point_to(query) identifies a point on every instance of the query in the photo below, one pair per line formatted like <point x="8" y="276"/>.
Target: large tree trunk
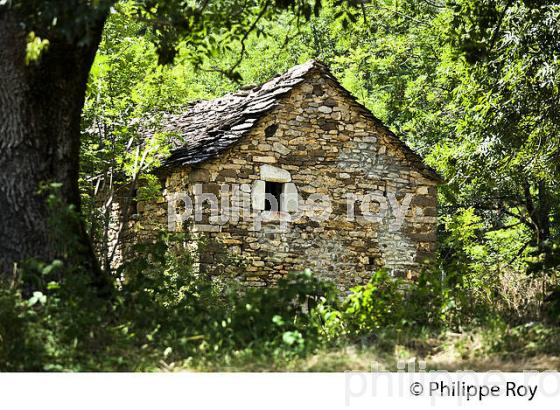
<point x="40" y="109"/>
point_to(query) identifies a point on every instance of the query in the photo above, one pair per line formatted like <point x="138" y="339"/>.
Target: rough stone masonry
<point x="349" y="196"/>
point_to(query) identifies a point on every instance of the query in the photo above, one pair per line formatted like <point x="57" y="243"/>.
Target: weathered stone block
<point x="274" y="174"/>
<point x="267" y="160"/>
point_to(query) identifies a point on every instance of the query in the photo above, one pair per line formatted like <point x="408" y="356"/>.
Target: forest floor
<point x="479" y="350"/>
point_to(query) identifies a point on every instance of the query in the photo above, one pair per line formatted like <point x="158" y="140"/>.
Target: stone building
<point x="296" y="174"/>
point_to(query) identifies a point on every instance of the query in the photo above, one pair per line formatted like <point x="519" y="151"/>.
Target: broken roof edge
<point x="176" y="158"/>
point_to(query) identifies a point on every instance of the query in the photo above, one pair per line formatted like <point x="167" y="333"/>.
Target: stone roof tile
<point x="207" y="128"/>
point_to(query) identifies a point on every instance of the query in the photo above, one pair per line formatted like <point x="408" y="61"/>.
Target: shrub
<point x="388" y="302"/>
<point x="376" y="305"/>
<point x="21" y="342"/>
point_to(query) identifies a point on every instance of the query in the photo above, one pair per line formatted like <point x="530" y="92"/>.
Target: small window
<point x="273" y="194"/>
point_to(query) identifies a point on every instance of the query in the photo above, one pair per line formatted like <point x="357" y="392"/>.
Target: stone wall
<point x="318" y="141"/>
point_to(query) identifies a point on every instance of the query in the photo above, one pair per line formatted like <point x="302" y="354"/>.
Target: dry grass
<point x="351" y="359"/>
<point x="450" y="351"/>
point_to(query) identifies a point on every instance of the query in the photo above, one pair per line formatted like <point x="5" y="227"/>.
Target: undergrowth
<point x="163" y="315"/>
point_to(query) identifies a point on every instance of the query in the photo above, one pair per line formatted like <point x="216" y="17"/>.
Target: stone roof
<point x="207" y="128"/>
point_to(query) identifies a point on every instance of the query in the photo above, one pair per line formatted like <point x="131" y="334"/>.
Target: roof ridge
<point x="211" y="126"/>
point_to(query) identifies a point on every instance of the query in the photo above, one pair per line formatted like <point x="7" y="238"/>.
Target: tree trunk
<point x="40" y="110"/>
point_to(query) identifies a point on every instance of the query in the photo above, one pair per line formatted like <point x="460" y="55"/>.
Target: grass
<point x="528" y="347"/>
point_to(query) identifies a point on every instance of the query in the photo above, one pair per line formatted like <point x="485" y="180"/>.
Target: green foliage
<point x="62" y="326"/>
<point x="456" y="298"/>
<point x="472" y="85"/>
<point x="463" y="85"/>
<point x="21" y="344"/>
<point x="171" y="308"/>
<point x="164" y="314"/>
<point x="35" y="46"/>
<point x="199" y="30"/>
<point x="377" y="304"/>
<point x="386" y="302"/>
<point x="524" y="340"/>
<point x="255" y="311"/>
<point x="163" y="311"/>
